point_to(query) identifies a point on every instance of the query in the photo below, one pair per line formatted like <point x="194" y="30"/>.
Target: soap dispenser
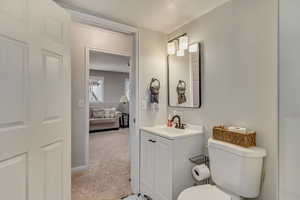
<point x="169" y="123"/>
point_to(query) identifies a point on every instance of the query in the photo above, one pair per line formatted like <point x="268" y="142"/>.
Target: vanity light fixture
<point x="180" y="52"/>
<point x="194" y="48"/>
<point x="172" y="47"/>
<point x="178" y="45"/>
<point x="183" y="42"/>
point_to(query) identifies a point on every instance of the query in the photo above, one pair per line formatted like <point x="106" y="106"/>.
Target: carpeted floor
<point x="108" y="174"/>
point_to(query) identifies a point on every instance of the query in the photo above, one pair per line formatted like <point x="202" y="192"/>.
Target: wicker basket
<point x="242" y="139"/>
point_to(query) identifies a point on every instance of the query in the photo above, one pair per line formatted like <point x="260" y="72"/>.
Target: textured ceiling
<point x="159" y="15"/>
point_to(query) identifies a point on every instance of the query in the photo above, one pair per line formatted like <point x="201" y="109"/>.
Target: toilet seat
<point x="203" y="192"/>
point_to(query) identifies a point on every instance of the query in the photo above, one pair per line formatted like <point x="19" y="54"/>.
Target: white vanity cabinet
<point x="165" y="169"/>
<point x="156" y="165"/>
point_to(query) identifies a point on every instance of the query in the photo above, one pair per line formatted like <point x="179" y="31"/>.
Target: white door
<point x="163" y="169"/>
<point x="35" y="101"/>
<point x="147" y="163"/>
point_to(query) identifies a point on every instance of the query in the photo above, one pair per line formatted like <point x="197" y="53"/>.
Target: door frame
<point x="134" y="139"/>
<point x="86" y="100"/>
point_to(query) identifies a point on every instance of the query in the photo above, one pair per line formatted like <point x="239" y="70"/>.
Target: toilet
<point x="235" y="170"/>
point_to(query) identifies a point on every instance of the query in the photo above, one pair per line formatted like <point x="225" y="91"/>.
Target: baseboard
<point x="80" y="168"/>
<point x="104" y="130"/>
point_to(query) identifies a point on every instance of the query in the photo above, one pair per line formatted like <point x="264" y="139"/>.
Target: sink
<point x="174" y="133"/>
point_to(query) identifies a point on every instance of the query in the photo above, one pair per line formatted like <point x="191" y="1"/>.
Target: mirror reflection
<point x="184" y="78"/>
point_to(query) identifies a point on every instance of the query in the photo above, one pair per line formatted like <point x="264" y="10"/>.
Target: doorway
<point x="83" y="105"/>
<point x="108" y="173"/>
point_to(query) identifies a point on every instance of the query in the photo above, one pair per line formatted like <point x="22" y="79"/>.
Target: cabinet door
<point x="147" y="163"/>
<point x="163" y="169"/>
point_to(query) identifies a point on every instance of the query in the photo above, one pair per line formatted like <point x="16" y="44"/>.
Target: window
<point x="96" y="89"/>
<point x="127" y="88"/>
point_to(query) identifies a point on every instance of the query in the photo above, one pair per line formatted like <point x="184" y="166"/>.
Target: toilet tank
<point x="235" y="169"/>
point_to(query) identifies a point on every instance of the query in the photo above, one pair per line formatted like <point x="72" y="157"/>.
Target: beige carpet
<point x="108" y="174"/>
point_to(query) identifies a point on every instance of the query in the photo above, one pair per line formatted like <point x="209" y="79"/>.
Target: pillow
<point x="98" y="113"/>
<point x="91" y="113"/>
<point x="110" y="113"/>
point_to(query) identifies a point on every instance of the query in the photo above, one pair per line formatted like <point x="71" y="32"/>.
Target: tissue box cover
<point x="247" y="139"/>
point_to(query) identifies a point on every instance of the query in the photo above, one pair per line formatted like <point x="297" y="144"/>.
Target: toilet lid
<point x="203" y="192"/>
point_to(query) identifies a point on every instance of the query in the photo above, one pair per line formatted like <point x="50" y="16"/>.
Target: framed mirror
<point x="184" y="78"/>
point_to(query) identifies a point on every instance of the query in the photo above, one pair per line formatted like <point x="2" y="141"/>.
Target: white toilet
<point x="235" y="170"/>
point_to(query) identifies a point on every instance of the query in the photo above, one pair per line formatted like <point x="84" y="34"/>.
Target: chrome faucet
<point x="179" y="124"/>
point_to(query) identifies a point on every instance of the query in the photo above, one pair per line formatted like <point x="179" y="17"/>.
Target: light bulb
<point x="183" y="42"/>
<point x="193" y="48"/>
<point x="180" y="52"/>
<point x="171" y="48"/>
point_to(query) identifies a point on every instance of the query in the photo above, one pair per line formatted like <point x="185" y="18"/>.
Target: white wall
<point x="152" y="63"/>
<point x="239" y="42"/>
<point x="289" y="101"/>
<point x="83" y="36"/>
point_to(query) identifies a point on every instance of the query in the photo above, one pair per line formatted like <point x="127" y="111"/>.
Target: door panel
<point x="14" y="8"/>
<point x="13" y="99"/>
<point x="147" y="164"/>
<point x="53" y="170"/>
<point x="35" y="101"/>
<point x="54" y="100"/>
<point x="13" y="178"/>
<point x="14" y="19"/>
<point x="55" y="29"/>
<point x="163" y="169"/>
<point x="53" y="92"/>
<point x="14" y="102"/>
